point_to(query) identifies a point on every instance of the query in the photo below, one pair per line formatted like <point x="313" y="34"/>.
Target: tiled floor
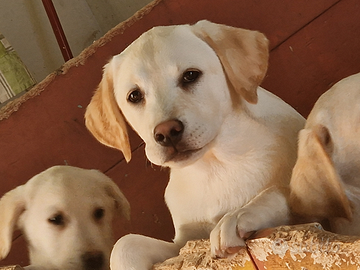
<point x="314" y="43"/>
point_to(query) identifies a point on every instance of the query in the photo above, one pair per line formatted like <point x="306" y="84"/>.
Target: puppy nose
<point x="169" y="133"/>
<point x="93" y="260"/>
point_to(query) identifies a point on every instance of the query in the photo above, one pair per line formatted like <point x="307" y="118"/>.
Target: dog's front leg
<point x="268" y="209"/>
<point x="138" y="252"/>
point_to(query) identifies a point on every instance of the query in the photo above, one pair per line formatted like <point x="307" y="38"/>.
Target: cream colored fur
<point x="325" y="183"/>
<point x="231" y="167"/>
<point x="66" y="215"/>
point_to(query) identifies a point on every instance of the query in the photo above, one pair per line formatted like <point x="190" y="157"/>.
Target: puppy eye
<point x="190" y="76"/>
<point x="57" y="220"/>
<point x="99" y="213"/>
<point x="135" y="96"/>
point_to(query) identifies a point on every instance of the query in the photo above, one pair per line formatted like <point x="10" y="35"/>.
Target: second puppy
<point x="66" y="215"/>
<point x="325" y="183"/>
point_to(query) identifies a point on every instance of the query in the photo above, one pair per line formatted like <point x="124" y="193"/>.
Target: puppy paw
<point x="227" y="238"/>
<point x="268" y="209"/>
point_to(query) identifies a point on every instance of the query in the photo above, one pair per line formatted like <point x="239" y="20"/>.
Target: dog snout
<point x="93" y="260"/>
<point x="169" y="133"/>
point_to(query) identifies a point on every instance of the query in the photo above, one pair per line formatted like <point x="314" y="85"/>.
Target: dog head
<point x="66" y="214"/>
<point x="316" y="187"/>
<point x="175" y="85"/>
<point x="325" y="179"/>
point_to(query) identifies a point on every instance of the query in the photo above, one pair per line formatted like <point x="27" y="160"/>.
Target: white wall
<point x="25" y="25"/>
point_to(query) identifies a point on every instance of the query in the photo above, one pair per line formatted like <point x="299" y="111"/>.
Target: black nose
<point x="169" y="133"/>
<point x="93" y="260"/>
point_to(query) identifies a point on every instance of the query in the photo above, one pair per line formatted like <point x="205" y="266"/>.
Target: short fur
<point x="325" y="183"/>
<point x="66" y="214"/>
<point x="232" y="146"/>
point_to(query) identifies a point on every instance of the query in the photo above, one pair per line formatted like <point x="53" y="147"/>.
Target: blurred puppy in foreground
<point x="325" y="183"/>
<point x="66" y="215"/>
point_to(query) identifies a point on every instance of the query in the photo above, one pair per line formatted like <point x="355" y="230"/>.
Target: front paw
<point x="227" y="238"/>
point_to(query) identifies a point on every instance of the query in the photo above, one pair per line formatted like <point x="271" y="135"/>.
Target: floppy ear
<point x="316" y="188"/>
<point x="243" y="53"/>
<point x="12" y="204"/>
<point x="104" y="119"/>
<point x="122" y="205"/>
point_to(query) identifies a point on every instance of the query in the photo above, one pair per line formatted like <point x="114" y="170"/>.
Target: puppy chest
<point x="201" y="203"/>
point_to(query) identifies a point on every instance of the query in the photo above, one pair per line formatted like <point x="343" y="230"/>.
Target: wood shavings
<point x="195" y="255"/>
<point x="287" y="247"/>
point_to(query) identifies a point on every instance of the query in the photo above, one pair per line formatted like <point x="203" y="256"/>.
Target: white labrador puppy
<point x="66" y="215"/>
<point x="325" y="183"/>
<point x="192" y="94"/>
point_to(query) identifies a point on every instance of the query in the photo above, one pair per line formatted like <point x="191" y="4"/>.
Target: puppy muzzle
<point x="93" y="260"/>
<point x="169" y="133"/>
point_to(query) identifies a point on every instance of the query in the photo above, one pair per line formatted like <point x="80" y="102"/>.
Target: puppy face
<point x="67" y="216"/>
<point x="175" y="85"/>
<point x="174" y="77"/>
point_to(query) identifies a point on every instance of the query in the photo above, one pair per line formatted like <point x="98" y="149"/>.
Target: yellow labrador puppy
<point x="325" y="183"/>
<point x="66" y="214"/>
<point x="192" y="94"/>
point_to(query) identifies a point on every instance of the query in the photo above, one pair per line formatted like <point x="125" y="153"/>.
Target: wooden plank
<point x="310" y="62"/>
<point x="277" y="20"/>
<point x="12" y="267"/>
<point x="196" y="255"/>
<point x="305" y="246"/>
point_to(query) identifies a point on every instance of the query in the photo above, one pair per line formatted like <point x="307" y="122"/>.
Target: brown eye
<point x="57" y="220"/>
<point x="99" y="213"/>
<point x="135" y="96"/>
<point x="190" y="76"/>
